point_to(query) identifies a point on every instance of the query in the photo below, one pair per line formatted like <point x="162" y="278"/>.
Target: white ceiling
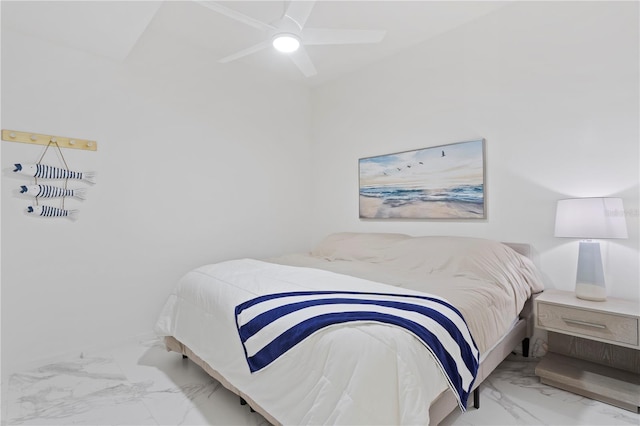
<point x="112" y="28"/>
<point x="105" y="28"/>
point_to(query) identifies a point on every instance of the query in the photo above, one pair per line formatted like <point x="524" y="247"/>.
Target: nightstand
<point x="594" y="347"/>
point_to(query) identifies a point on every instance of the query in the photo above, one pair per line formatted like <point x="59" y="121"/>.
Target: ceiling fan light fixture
<point x="286" y="42"/>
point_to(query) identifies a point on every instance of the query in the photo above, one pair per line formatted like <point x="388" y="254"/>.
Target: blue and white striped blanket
<point x="272" y="324"/>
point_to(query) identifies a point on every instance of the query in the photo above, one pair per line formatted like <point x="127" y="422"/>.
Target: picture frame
<point x="438" y="182"/>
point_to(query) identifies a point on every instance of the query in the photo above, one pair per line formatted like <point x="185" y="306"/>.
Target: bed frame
<point x="446" y="402"/>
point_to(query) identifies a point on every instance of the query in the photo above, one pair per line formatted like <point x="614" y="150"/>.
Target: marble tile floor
<point x="142" y="384"/>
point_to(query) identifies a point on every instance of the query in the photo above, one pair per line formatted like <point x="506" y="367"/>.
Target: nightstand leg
<point x="525" y="347"/>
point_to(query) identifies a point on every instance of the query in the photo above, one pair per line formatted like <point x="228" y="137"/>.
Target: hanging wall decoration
<point x="440" y="182"/>
<point x="44" y="171"/>
<point x="49" y="172"/>
<point x="49" y="211"/>
<point x="48" y="191"/>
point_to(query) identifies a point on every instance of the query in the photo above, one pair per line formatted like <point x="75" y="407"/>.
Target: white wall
<point x="195" y="165"/>
<point x="199" y="162"/>
<point x="552" y="86"/>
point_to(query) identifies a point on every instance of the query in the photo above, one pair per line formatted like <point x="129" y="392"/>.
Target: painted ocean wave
<point x="397" y="196"/>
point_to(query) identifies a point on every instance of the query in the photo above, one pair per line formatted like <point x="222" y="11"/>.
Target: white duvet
<point x="354" y="374"/>
<point x="323" y="380"/>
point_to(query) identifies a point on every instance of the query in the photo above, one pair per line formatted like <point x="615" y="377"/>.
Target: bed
<point x="360" y="371"/>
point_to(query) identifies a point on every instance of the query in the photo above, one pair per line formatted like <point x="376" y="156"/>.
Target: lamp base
<point x="591" y="292"/>
<point x="590" y="276"/>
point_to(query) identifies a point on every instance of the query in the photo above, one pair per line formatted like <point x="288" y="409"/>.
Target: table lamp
<point x="589" y="218"/>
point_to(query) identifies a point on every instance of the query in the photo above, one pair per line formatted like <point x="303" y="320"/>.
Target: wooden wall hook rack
<point x="39" y="139"/>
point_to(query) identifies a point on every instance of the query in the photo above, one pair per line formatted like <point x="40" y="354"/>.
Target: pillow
<point x="369" y="247"/>
<point x="503" y="265"/>
<point x="473" y="257"/>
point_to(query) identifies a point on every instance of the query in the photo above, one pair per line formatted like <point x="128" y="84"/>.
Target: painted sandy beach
<point x="443" y="182"/>
<point x="376" y="208"/>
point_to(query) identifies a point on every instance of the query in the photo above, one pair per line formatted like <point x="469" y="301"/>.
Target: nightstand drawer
<point x="612" y="327"/>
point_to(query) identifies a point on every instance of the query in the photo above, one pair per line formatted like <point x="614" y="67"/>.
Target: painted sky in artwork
<point x="428" y="169"/>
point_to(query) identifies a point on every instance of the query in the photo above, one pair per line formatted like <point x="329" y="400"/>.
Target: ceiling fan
<point x="289" y="35"/>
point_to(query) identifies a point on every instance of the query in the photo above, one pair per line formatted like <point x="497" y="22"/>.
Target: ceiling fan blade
<point x="315" y="36"/>
<point x="234" y="14"/>
<point x="245" y="52"/>
<point x="303" y="61"/>
<point x="299" y="11"/>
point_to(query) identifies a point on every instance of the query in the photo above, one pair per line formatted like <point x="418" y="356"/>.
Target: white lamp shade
<point x="590" y="218"/>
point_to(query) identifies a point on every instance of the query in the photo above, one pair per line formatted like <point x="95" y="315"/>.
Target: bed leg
<point x="476" y="398"/>
<point x="525" y="347"/>
<point x="243" y="402"/>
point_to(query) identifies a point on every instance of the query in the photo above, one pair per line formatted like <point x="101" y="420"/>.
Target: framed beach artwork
<point x="440" y="182"/>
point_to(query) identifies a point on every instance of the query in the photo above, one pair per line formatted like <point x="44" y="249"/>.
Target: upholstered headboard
<point x="523" y="249"/>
